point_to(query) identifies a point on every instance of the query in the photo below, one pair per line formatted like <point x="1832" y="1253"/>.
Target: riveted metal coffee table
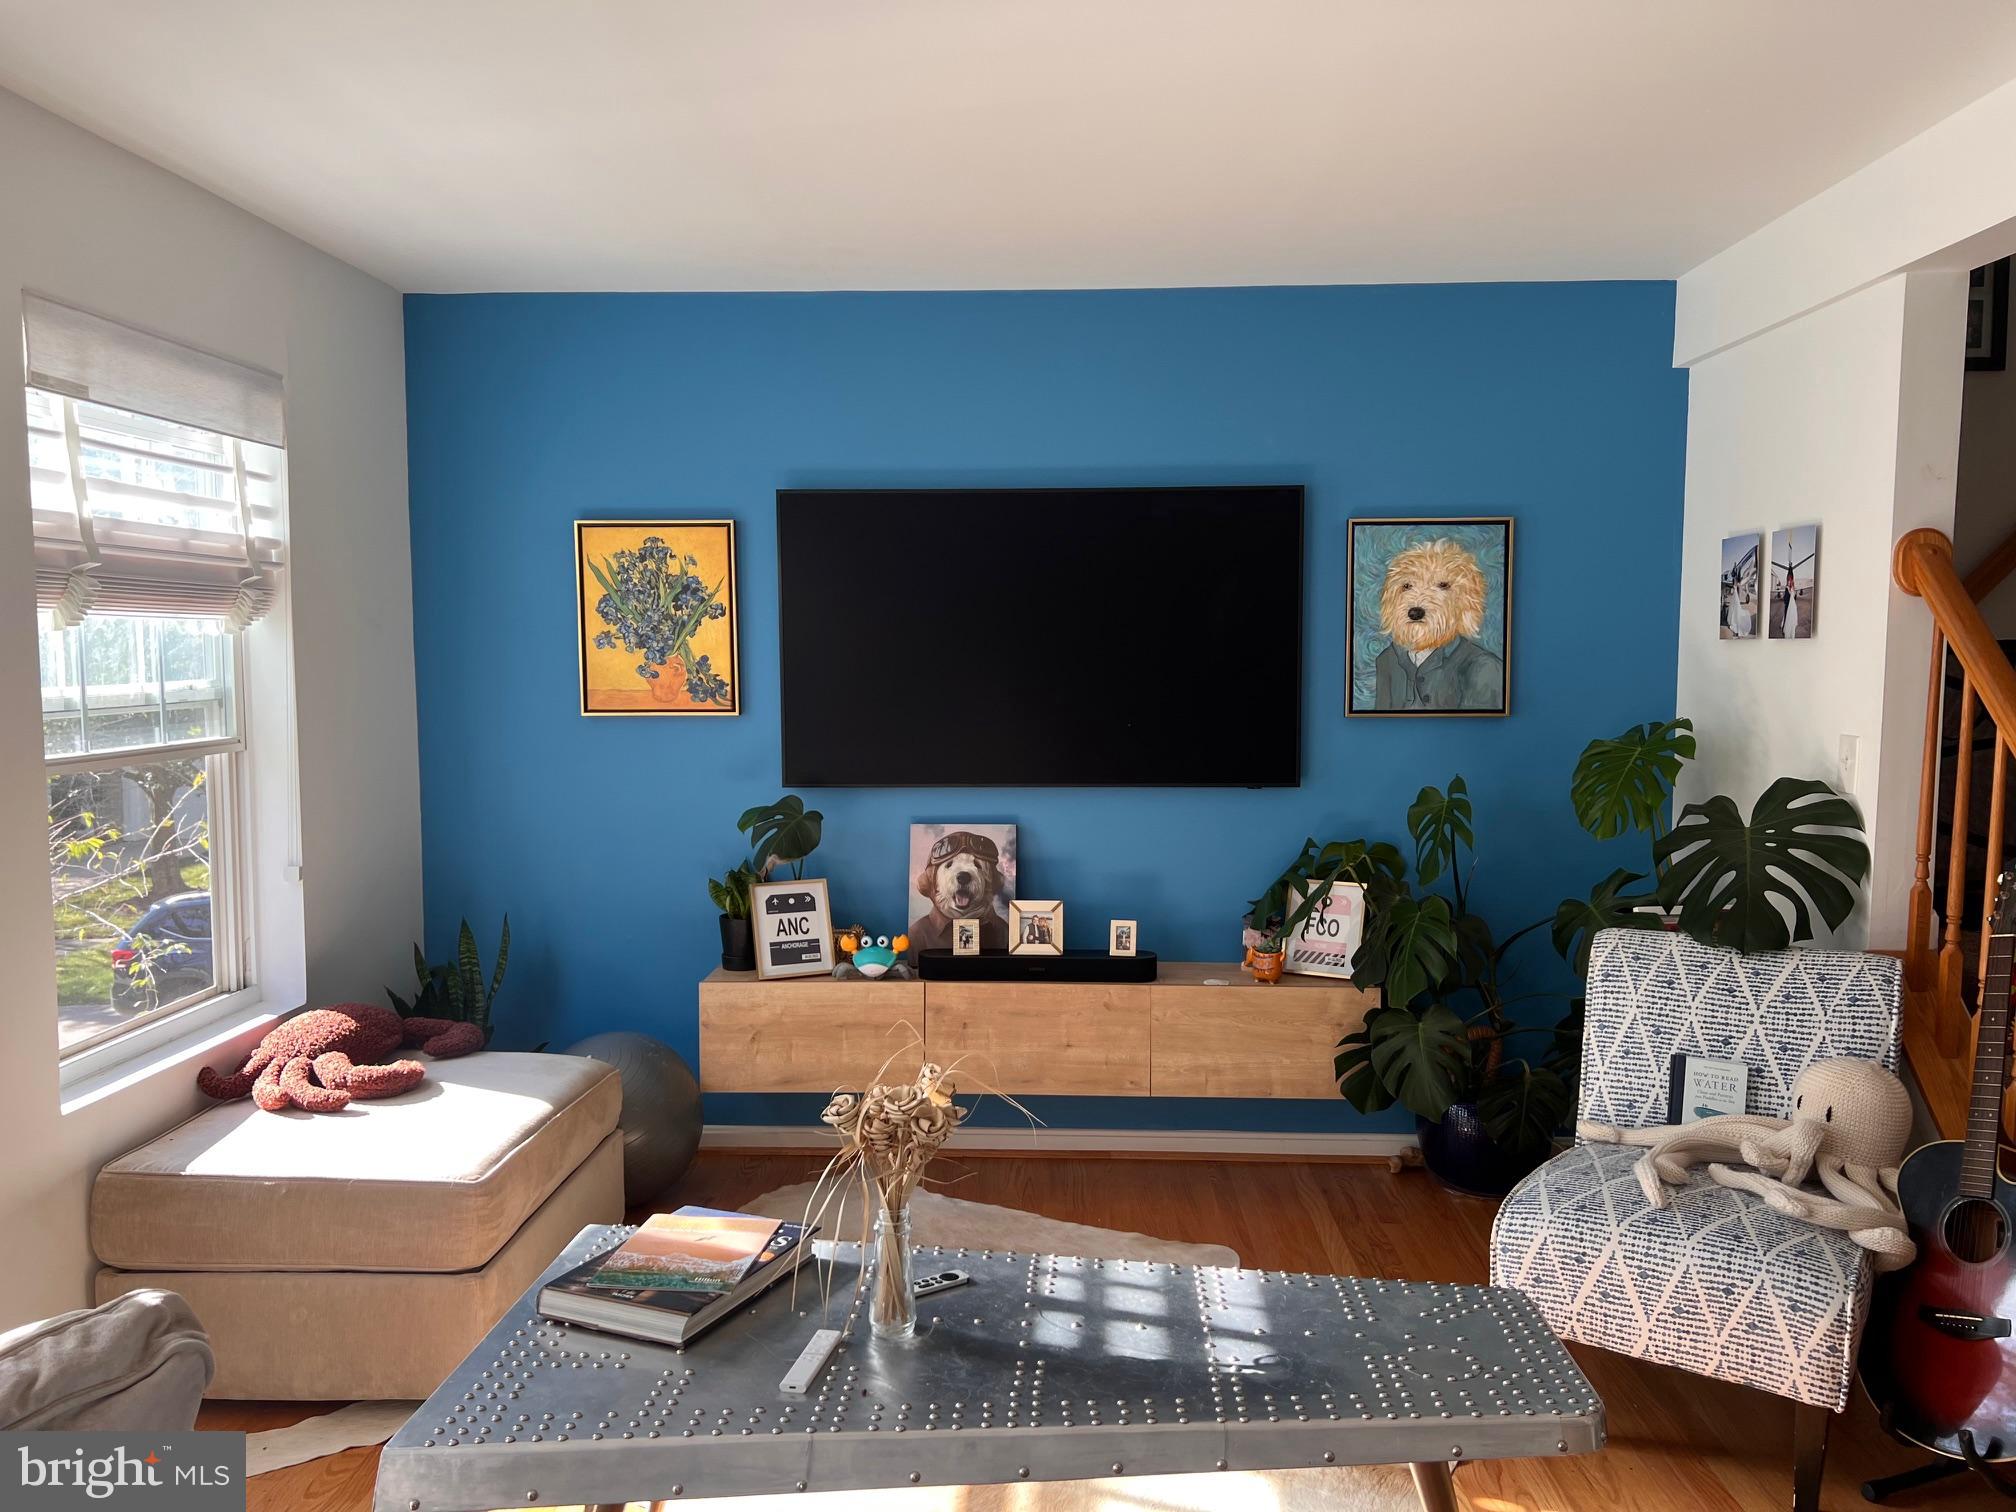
<point x="1047" y="1367"/>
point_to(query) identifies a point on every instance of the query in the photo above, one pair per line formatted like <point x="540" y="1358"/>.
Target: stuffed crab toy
<point x="873" y="958"/>
<point x="1850" y="1122"/>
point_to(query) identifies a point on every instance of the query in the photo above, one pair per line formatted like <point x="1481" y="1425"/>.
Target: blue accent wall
<point x="1554" y="403"/>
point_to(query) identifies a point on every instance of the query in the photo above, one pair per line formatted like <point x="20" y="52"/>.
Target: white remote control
<point x="811" y="1360"/>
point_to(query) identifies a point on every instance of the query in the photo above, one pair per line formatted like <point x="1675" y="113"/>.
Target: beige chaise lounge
<point x="361" y="1254"/>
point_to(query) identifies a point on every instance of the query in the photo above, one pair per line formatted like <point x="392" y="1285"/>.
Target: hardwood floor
<point x="1678" y="1443"/>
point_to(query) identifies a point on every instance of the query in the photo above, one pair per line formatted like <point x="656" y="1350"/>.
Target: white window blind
<point x="156" y="474"/>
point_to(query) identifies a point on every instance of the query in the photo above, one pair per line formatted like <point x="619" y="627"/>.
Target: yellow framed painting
<point x="657" y="616"/>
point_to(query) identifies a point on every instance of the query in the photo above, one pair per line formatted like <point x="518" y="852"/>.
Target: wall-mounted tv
<point x="1055" y="637"/>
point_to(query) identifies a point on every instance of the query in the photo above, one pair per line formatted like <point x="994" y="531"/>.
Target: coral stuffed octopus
<point x="1850" y="1122"/>
<point x="320" y="1061"/>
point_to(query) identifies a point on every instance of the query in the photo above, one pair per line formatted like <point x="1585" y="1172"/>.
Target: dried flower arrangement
<point x="888" y="1135"/>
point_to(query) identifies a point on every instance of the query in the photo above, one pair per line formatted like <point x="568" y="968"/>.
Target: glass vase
<point x="892" y="1307"/>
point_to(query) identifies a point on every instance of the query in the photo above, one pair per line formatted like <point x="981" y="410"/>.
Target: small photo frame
<point x="1329" y="938"/>
<point x="793" y="929"/>
<point x="966" y="937"/>
<point x="1122" y="937"/>
<point x="1035" y="927"/>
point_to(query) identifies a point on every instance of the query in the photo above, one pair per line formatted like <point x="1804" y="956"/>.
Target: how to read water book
<point x="680" y="1273"/>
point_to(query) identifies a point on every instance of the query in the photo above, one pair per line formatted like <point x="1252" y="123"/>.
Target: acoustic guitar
<point x="1939" y="1356"/>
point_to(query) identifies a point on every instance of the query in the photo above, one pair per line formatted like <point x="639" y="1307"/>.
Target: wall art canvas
<point x="1795" y="582"/>
<point x="960" y="872"/>
<point x="657" y="621"/>
<point x="1430" y="616"/>
<point x="1742" y="592"/>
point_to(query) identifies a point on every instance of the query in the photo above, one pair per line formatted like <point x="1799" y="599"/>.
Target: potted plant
<point x="731" y="895"/>
<point x="784" y="832"/>
<point x="1439" y="1043"/>
<point x="458" y="992"/>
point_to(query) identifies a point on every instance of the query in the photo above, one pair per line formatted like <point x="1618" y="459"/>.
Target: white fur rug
<point x="954" y="1223"/>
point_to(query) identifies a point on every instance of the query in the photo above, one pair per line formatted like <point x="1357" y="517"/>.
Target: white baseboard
<point x="1093" y="1141"/>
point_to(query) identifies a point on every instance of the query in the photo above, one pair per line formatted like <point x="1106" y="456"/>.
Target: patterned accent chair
<point x="1717" y="1282"/>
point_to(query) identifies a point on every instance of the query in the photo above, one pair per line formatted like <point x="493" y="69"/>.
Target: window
<point x="156" y="542"/>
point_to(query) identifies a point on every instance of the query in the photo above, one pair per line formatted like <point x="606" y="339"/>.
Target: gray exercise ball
<point x="661" y="1110"/>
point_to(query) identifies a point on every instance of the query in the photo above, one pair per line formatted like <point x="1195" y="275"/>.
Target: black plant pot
<point x="738" y="945"/>
<point x="1464" y="1159"/>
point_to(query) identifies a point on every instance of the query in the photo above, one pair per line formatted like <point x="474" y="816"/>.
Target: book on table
<point x="679" y="1274"/>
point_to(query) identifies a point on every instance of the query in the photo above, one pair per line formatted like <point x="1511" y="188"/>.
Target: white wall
<point x="1848" y="416"/>
<point x="1946" y="199"/>
<point x="92" y="225"/>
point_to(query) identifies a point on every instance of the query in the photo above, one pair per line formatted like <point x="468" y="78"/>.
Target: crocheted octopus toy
<point x="320" y="1061"/>
<point x="1850" y="1122"/>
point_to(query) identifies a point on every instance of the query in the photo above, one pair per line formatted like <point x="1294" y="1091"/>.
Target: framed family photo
<point x="657" y="616"/>
<point x="1430" y="616"/>
<point x="1035" y="928"/>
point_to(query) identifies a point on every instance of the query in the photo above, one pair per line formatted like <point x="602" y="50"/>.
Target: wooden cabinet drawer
<point x="808" y="1035"/>
<point x="1056" y="1039"/>
<point x="1248" y="1039"/>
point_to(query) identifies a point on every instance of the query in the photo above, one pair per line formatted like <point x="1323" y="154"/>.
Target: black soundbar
<point x="999" y="966"/>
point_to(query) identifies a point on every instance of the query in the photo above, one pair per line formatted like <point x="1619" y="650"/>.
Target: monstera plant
<point x="1446" y="1044"/>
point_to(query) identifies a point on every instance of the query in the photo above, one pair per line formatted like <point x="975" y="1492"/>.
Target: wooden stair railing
<point x="1938" y="1020"/>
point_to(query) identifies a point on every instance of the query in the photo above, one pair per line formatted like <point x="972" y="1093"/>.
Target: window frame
<point x="227" y="762"/>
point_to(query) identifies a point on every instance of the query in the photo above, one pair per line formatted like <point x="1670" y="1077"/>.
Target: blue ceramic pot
<point x="1464" y="1158"/>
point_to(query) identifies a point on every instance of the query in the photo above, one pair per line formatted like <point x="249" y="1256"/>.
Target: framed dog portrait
<point x="793" y="929"/>
<point x="1035" y="928"/>
<point x="960" y="872"/>
<point x="1430" y="617"/>
<point x="656" y="616"/>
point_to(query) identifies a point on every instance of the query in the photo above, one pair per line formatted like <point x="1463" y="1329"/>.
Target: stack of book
<point x="678" y="1275"/>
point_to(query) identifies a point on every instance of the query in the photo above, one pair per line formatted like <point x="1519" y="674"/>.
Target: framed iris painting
<point x="1430" y="617"/>
<point x="657" y="616"/>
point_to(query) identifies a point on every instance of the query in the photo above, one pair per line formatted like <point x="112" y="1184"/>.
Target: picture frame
<point x="966" y="937"/>
<point x="1795" y="583"/>
<point x="959" y="871"/>
<point x="1123" y="938"/>
<point x="792" y="925"/>
<point x="1329" y="938"/>
<point x="1428" y="620"/>
<point x="1036" y="927"/>
<point x="1739" y="596"/>
<point x="632" y="663"/>
<point x="1988" y="318"/>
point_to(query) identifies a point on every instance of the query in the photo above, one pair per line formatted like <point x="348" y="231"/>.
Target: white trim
<point x="1945" y="199"/>
<point x="173" y="1035"/>
<point x="1232" y="1142"/>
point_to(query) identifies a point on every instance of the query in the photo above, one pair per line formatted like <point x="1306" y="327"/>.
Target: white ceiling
<point x="460" y="145"/>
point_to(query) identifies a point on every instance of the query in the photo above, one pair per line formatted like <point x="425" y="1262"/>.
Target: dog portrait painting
<point x="1430" y="616"/>
<point x="960" y="874"/>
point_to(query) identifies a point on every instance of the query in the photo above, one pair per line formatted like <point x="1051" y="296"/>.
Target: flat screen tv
<point x="1056" y="637"/>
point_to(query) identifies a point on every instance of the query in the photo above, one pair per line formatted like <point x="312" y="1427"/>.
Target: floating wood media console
<point x="1200" y="1030"/>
